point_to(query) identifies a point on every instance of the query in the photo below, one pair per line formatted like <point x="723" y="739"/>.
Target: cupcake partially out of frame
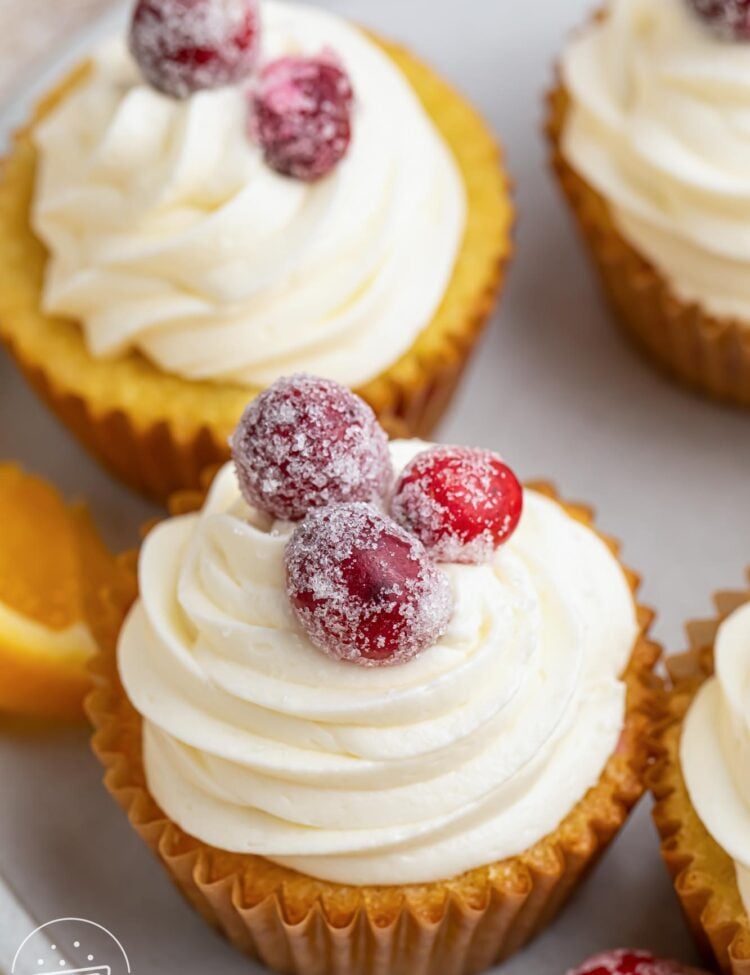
<point x="376" y="708"/>
<point x="650" y="143"/>
<point x="700" y="783"/>
<point x="241" y="192"/>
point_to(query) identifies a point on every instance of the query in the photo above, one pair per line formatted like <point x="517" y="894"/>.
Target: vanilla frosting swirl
<point x="255" y="741"/>
<point x="715" y="747"/>
<point x="658" y="126"/>
<point x="168" y="234"/>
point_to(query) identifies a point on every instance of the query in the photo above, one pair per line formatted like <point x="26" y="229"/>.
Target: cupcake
<point x="700" y="783"/>
<point x="234" y="195"/>
<point x="648" y="131"/>
<point x="374" y="707"/>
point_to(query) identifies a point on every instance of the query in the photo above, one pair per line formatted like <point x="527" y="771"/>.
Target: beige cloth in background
<point x="31" y="30"/>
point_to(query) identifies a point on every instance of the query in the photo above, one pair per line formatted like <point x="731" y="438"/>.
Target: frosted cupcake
<point x="239" y="193"/>
<point x="374" y="704"/>
<point x="701" y="783"/>
<point x="649" y="135"/>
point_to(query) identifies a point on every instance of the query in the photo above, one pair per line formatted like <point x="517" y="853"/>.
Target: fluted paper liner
<point x="157" y="432"/>
<point x="709" y="354"/>
<point x="703" y="874"/>
<point x="301" y="926"/>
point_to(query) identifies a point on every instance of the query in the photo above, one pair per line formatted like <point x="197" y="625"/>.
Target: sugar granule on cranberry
<point x="307" y="442"/>
<point x="729" y="19"/>
<point x="626" y="962"/>
<point x="301" y="116"/>
<point x="363" y="589"/>
<point x="184" y="46"/>
<point x="461" y="502"/>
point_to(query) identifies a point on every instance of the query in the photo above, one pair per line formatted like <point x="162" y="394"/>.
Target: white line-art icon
<point x="71" y="946"/>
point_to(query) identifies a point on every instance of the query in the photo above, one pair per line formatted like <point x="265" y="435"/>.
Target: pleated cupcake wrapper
<point x="703" y="874"/>
<point x="301" y="926"/>
<point x="706" y="353"/>
<point x="163" y="448"/>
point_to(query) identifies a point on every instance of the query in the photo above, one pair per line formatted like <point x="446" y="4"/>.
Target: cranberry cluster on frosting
<point x="728" y="18"/>
<point x="364" y="584"/>
<point x="300" y="107"/>
<point x="626" y="962"/>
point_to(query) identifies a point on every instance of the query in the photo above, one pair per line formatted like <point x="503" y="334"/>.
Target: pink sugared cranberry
<point x="307" y="442"/>
<point x="461" y="502"/>
<point x="302" y="116"/>
<point x="729" y="18"/>
<point x="183" y="46"/>
<point x="363" y="589"/>
<point x="623" y="962"/>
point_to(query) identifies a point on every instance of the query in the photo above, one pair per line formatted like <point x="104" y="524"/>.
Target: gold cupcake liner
<point x="703" y="874"/>
<point x="706" y="353"/>
<point x="157" y="432"/>
<point x="301" y="926"/>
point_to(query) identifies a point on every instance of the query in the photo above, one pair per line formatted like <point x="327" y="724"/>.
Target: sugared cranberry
<point x="184" y="46"/>
<point x="622" y="962"/>
<point x="461" y="502"/>
<point x="729" y="18"/>
<point x="302" y="116"/>
<point x="307" y="442"/>
<point x="363" y="589"/>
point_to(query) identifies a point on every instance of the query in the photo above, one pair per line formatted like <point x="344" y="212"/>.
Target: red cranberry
<point x="631" y="963"/>
<point x="461" y="502"/>
<point x="184" y="46"/>
<point x="363" y="589"/>
<point x="302" y="116"/>
<point x="307" y="442"/>
<point x="729" y="18"/>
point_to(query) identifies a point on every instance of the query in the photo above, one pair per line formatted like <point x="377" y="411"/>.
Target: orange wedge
<point x="51" y="563"/>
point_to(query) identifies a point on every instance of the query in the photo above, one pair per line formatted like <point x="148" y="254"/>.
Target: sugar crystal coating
<point x="301" y="116"/>
<point x="728" y="18"/>
<point x="307" y="442"/>
<point x="363" y="589"/>
<point x="622" y="962"/>
<point x="461" y="502"/>
<point x="184" y="46"/>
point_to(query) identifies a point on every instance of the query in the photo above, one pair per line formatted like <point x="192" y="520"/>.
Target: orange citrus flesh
<point x="52" y="563"/>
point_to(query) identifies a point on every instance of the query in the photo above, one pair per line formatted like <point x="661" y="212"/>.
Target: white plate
<point x="557" y="392"/>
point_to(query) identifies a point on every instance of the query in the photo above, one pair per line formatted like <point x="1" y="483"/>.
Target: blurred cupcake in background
<point x="701" y="782"/>
<point x="651" y="148"/>
<point x="244" y="190"/>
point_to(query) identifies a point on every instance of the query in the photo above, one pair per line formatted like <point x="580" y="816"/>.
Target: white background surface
<point x="560" y="395"/>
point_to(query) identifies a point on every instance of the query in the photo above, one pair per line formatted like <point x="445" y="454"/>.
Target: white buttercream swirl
<point x="715" y="747"/>
<point x="257" y="742"/>
<point x="659" y="126"/>
<point x="168" y="233"/>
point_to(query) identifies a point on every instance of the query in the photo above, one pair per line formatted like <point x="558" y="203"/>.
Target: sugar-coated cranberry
<point x="302" y="116"/>
<point x="622" y="962"/>
<point x="183" y="46"/>
<point x="363" y="589"/>
<point x="461" y="502"/>
<point x="307" y="442"/>
<point x="729" y="18"/>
